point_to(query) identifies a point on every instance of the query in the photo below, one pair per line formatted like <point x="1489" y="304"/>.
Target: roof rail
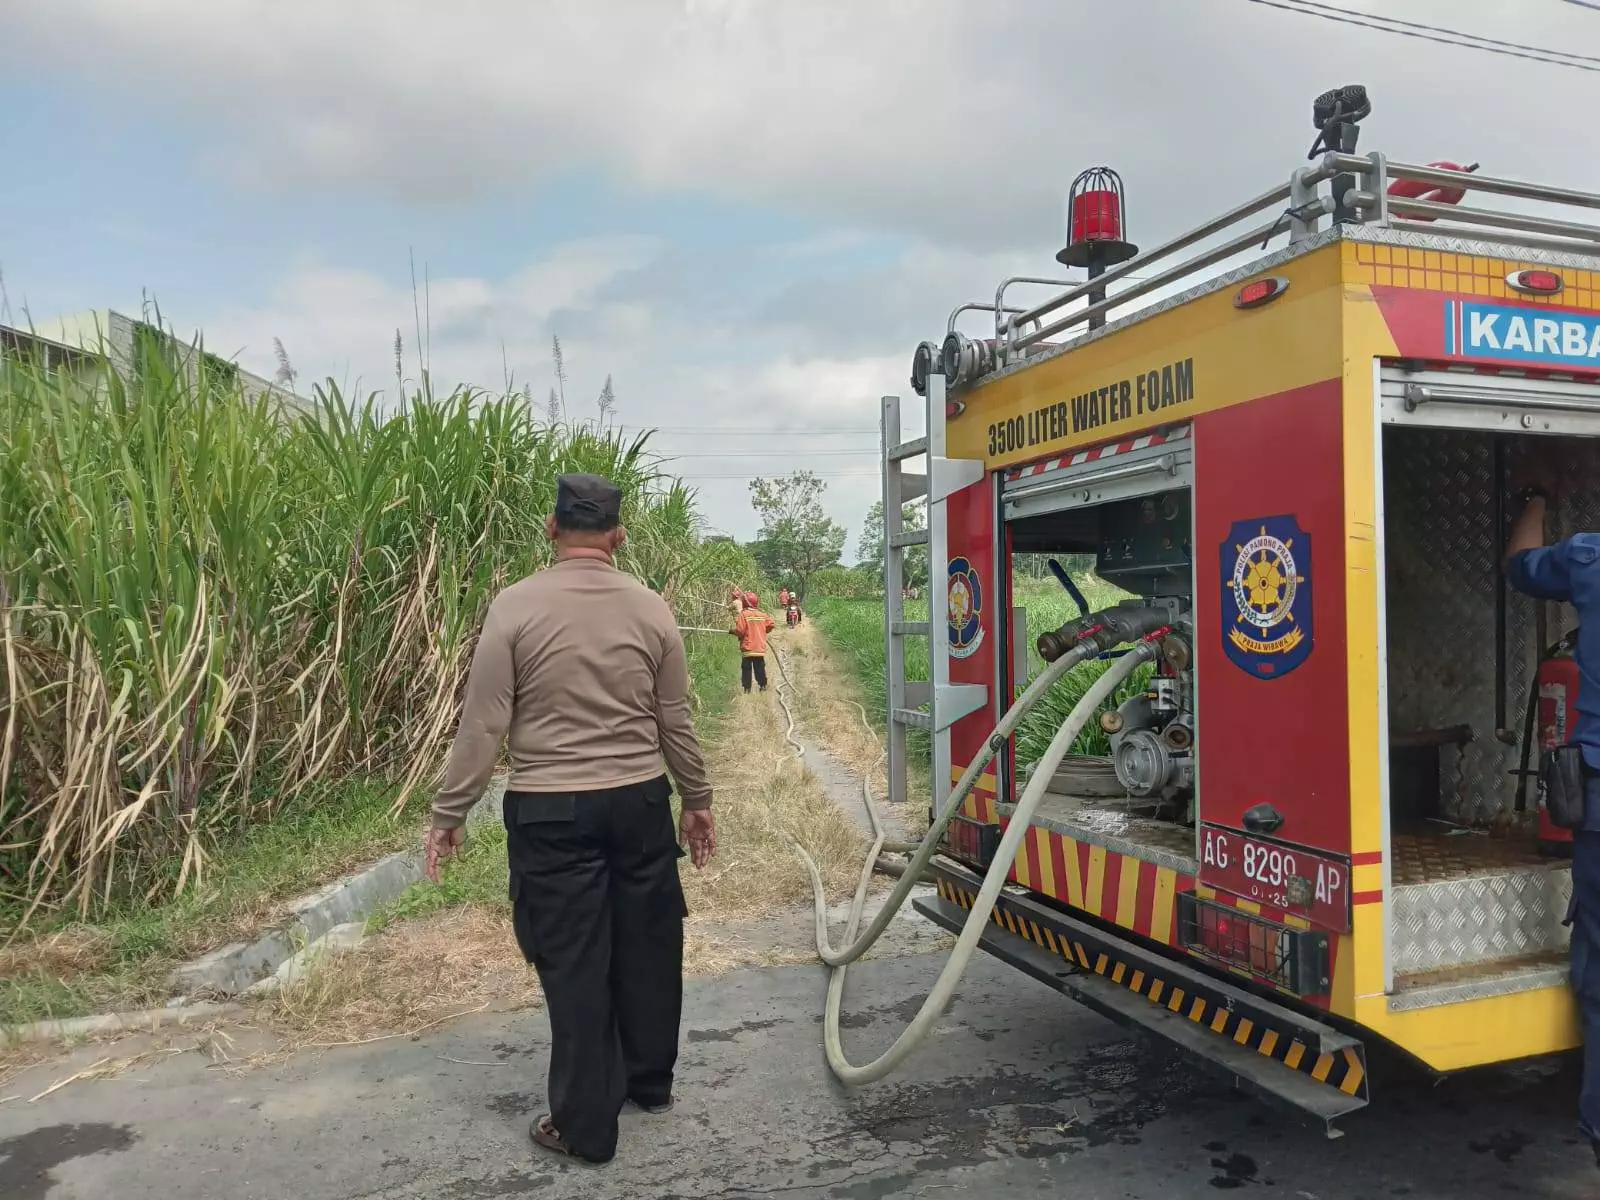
<point x="1360" y="197"/>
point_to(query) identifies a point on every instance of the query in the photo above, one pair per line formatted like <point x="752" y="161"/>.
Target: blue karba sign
<point x="1267" y="627"/>
<point x="964" y="602"/>
<point x="1519" y="334"/>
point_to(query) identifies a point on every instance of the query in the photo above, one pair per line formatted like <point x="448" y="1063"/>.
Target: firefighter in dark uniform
<point x="1569" y="571"/>
<point x="580" y="669"/>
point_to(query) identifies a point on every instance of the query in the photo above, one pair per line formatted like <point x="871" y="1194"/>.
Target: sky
<point x="746" y="212"/>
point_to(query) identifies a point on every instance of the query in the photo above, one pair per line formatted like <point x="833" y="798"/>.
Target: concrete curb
<point x="138" y="1021"/>
<point x="338" y="940"/>
<point x="233" y="969"/>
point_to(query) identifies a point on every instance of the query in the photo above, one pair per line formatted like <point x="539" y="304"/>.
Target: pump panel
<point x="1144" y="544"/>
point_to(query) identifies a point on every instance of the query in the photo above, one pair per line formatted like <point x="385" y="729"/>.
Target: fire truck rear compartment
<point x="1142" y="547"/>
<point x="1475" y="908"/>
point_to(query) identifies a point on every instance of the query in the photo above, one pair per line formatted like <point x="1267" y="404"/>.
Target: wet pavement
<point x="1018" y="1093"/>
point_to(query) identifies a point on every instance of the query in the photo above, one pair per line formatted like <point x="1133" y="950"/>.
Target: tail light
<point x="1295" y="960"/>
<point x="972" y="841"/>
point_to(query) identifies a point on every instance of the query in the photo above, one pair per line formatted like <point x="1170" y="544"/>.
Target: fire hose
<point x="1146" y="624"/>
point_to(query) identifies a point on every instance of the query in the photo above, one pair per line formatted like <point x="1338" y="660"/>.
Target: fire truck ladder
<point x="935" y="704"/>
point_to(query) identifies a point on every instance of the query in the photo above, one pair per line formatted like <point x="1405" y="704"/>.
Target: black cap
<point x="588" y="502"/>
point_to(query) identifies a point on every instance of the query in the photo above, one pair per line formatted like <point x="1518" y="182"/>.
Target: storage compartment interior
<point x="1471" y="888"/>
<point x="1463" y="647"/>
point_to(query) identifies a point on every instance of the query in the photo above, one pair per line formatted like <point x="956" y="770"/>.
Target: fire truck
<point x="1299" y="426"/>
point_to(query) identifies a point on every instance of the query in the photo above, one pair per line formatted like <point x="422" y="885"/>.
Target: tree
<point x="869" y="548"/>
<point x="797" y="537"/>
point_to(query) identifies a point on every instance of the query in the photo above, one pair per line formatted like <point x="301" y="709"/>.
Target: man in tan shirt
<point x="581" y="669"/>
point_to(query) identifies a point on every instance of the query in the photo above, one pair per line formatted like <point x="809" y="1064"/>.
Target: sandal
<point x="544" y="1134"/>
<point x="653" y="1109"/>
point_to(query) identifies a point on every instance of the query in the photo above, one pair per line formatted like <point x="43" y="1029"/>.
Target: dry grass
<point x="65" y="952"/>
<point x="410" y="977"/>
<point x="763" y="793"/>
<point x="832" y="712"/>
<point x="830" y="705"/>
<point x="14" y="1060"/>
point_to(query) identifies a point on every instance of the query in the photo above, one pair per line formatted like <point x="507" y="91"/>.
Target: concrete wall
<point x="105" y="329"/>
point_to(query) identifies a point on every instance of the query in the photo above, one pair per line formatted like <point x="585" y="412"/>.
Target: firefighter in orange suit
<point x="752" y="626"/>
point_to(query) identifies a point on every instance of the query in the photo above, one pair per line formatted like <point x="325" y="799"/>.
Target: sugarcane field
<point x="703" y="599"/>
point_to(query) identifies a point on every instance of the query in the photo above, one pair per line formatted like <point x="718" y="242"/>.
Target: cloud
<point x="340" y="321"/>
<point x="781" y="405"/>
<point x="925" y="145"/>
<point x="931" y="118"/>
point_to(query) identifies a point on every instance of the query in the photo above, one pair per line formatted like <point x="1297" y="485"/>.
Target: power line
<point x="1585" y="4"/>
<point x="1434" y="33"/>
<point x="1473" y="37"/>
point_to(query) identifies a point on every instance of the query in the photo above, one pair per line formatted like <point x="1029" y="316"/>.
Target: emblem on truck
<point x="964" y="604"/>
<point x="1266" y="601"/>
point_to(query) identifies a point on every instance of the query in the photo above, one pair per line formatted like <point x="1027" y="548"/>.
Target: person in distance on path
<point x="583" y="667"/>
<point x="751" y="626"/>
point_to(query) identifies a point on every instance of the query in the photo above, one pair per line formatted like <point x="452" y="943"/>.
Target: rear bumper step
<point x="1275" y="1052"/>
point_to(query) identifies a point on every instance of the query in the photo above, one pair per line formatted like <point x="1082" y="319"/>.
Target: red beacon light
<point x="1096" y="228"/>
<point x="1095" y="222"/>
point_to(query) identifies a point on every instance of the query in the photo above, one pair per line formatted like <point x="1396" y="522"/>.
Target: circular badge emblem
<point x="964" y="608"/>
<point x="1264" y="581"/>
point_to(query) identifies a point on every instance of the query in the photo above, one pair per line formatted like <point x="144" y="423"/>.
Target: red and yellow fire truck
<point x="1315" y="830"/>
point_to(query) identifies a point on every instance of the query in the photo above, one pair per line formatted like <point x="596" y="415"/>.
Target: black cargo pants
<point x="598" y="910"/>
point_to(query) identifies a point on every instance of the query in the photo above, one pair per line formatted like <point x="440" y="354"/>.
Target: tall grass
<point x="209" y="604"/>
<point x="855" y="628"/>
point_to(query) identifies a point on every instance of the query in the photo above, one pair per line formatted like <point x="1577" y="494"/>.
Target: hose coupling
<point x="1127" y="622"/>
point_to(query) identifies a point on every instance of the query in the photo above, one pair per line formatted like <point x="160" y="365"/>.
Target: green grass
<point x="477" y="876"/>
<point x="713" y="671"/>
<point x="855" y="629"/>
<point x="232" y="638"/>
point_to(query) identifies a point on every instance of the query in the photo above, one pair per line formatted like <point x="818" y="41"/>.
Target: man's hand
<point x="441" y="844"/>
<point x="698" y="828"/>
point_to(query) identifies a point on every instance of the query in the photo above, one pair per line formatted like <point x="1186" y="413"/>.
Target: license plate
<point x="1311" y="883"/>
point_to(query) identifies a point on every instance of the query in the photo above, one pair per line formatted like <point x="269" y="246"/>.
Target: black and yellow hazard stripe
<point x="1344" y="1070"/>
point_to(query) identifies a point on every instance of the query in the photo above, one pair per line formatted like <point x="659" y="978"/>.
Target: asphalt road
<point x="1019" y="1093"/>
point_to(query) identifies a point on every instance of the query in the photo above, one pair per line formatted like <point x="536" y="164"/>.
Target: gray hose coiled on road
<point x="944" y="987"/>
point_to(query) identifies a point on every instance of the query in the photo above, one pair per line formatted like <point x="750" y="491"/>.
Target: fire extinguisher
<point x="1552" y="703"/>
